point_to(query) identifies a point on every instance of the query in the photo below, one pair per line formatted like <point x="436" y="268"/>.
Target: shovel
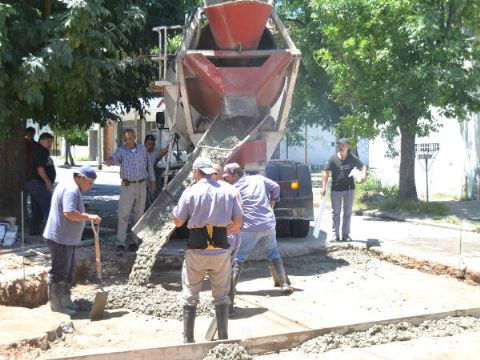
<point x="98" y="306"/>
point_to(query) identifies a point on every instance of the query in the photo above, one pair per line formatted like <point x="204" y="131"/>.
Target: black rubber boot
<point x="55" y="291"/>
<point x="221" y="312"/>
<point x="67" y="296"/>
<point x="282" y="277"/>
<point x="236" y="271"/>
<point x="189" y="313"/>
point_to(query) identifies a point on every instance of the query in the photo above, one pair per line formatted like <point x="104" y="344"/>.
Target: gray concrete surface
<point x="458" y="347"/>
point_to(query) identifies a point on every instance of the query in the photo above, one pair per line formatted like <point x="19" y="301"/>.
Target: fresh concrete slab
<point x="463" y="346"/>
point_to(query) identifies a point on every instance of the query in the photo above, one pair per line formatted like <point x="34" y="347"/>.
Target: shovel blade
<point x="98" y="306"/>
<point x="212" y="330"/>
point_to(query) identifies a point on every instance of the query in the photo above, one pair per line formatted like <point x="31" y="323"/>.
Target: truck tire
<point x="283" y="228"/>
<point x="300" y="228"/>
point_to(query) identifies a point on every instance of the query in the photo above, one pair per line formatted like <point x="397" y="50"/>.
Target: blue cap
<point x="88" y="172"/>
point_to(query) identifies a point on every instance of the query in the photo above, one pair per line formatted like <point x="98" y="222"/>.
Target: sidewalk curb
<point x="390" y="216"/>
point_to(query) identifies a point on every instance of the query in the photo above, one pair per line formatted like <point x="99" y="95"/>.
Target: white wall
<point x="321" y="145"/>
<point x="453" y="170"/>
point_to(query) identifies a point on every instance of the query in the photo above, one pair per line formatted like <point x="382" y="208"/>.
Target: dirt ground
<point x="341" y="287"/>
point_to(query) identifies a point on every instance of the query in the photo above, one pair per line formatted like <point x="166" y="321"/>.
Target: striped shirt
<point x="134" y="163"/>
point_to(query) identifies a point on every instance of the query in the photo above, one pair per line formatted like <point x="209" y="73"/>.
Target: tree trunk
<point x="12" y="171"/>
<point x="408" y="189"/>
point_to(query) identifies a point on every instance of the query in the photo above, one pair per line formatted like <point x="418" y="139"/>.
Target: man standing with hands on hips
<point x="135" y="169"/>
<point x="211" y="211"/>
<point x="340" y="165"/>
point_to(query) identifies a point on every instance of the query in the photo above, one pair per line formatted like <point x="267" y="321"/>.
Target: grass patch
<point x="373" y="195"/>
<point x="414" y="207"/>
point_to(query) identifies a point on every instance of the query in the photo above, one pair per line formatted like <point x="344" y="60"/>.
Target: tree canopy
<point x="390" y="63"/>
<point x="77" y="61"/>
<point x="71" y="63"/>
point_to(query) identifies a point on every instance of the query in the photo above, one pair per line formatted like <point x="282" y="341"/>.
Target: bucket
<point x="10" y="238"/>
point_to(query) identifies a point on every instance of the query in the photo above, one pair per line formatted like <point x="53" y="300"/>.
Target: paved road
<point x="446" y="246"/>
<point x="103" y="197"/>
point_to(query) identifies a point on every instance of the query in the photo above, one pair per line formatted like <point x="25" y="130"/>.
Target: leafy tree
<point x="311" y="102"/>
<point x="391" y="62"/>
<point x="72" y="62"/>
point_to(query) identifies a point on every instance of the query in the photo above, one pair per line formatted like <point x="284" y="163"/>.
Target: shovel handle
<point x="98" y="261"/>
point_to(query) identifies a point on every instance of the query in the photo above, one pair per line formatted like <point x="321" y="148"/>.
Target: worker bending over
<point x="63" y="232"/>
<point x="211" y="210"/>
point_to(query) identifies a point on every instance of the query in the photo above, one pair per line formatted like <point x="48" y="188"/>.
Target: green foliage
<point x="434" y="209"/>
<point x="391" y="61"/>
<point x="312" y="104"/>
<point x="374" y="185"/>
<point x="74" y="135"/>
<point x="387" y="66"/>
<point x="374" y="195"/>
<point x="78" y="62"/>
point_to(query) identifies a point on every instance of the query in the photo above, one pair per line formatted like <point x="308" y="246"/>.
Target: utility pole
<point x="305" y="146"/>
<point x="100" y="147"/>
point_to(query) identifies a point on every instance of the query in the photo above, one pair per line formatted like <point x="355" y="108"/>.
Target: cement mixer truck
<point x="228" y="91"/>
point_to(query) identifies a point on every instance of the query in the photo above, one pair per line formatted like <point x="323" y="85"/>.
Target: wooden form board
<point x="264" y="344"/>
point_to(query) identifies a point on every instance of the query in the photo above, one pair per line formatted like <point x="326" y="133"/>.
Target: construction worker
<point x="234" y="237"/>
<point x="259" y="195"/>
<point x="135" y="169"/>
<point x="210" y="211"/>
<point x="340" y="165"/>
<point x="154" y="156"/>
<point x="40" y="178"/>
<point x="63" y="232"/>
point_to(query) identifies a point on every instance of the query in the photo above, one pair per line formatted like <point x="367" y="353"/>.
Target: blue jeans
<point x="267" y="240"/>
<point x="40" y="199"/>
<point x="63" y="262"/>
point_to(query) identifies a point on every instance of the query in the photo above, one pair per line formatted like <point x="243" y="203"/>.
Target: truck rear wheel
<point x="283" y="228"/>
<point x="300" y="228"/>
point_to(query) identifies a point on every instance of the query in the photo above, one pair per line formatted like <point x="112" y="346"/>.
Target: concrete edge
<point x="264" y="344"/>
<point x="390" y="216"/>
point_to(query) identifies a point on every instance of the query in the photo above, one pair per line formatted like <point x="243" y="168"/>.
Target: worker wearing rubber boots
<point x="234" y="237"/>
<point x="210" y="211"/>
<point x="63" y="232"/>
<point x="259" y="195"/>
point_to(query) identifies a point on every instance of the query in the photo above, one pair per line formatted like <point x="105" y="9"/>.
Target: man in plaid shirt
<point x="135" y="169"/>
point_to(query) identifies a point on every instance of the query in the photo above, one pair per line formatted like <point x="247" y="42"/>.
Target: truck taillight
<point x="294" y="185"/>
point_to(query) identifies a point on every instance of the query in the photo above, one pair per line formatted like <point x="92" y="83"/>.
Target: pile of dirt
<point x="228" y="352"/>
<point x="382" y="334"/>
<point x="156" y="302"/>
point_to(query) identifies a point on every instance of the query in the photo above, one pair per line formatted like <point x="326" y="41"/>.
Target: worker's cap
<point x="150" y="137"/>
<point x="232" y="169"/>
<point x="205" y="165"/>
<point x="88" y="172"/>
<point x="343" y="141"/>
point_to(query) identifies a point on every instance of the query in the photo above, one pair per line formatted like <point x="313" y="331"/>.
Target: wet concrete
<point x="465" y="346"/>
<point x="339" y="288"/>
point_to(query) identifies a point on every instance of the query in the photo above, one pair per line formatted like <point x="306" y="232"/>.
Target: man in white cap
<point x="63" y="233"/>
<point x="210" y="211"/>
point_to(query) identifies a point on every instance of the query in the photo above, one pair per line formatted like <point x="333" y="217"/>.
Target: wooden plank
<point x="264" y="344"/>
